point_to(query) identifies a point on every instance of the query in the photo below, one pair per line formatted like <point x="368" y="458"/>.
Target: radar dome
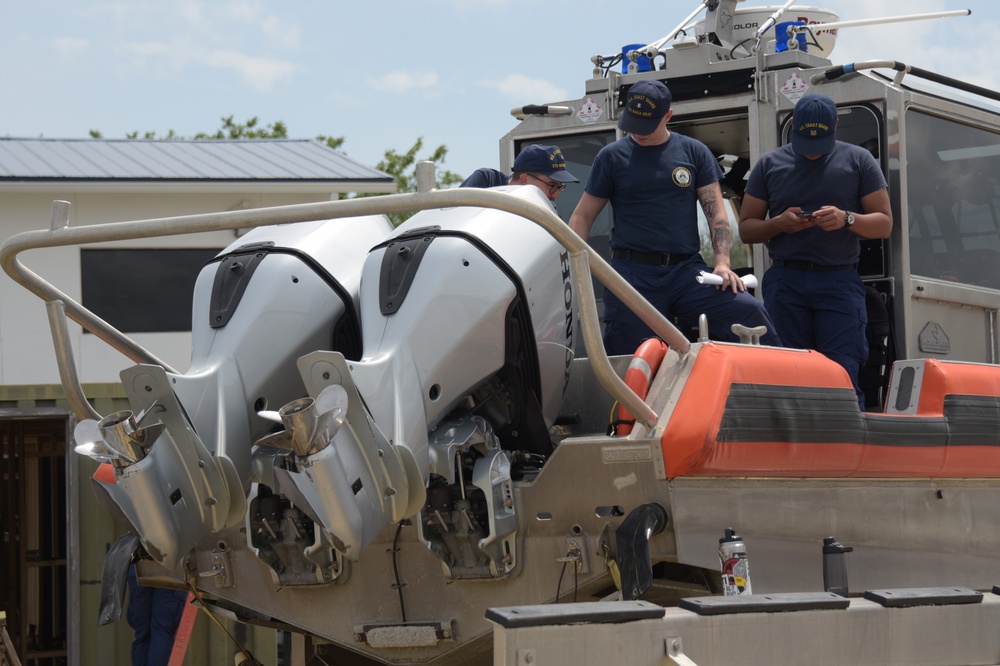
<point x="748" y="19"/>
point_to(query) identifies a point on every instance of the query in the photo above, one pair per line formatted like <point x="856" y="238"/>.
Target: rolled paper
<point x="711" y="278"/>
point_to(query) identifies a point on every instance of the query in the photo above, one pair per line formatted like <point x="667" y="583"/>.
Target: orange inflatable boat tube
<point x="769" y="412"/>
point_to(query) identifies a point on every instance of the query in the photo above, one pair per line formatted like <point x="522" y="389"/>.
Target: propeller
<point x="314" y="422"/>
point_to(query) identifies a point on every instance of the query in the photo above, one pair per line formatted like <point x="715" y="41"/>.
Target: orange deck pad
<point x="943" y="378"/>
<point x="801" y="420"/>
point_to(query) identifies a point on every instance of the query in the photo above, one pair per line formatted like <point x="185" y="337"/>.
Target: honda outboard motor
<point x="467" y="321"/>
<point x="183" y="453"/>
<point x="345" y="377"/>
<point x="459" y="306"/>
<point x="466" y="317"/>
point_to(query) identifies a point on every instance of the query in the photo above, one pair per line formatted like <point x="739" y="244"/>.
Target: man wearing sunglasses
<point x="541" y="166"/>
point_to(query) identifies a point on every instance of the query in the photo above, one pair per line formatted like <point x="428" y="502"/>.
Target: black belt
<point x="810" y="266"/>
<point x="655" y="258"/>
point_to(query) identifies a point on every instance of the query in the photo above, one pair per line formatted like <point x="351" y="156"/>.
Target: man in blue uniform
<point x="541" y="166"/>
<point x="154" y="613"/>
<point x="654" y="179"/>
<point x="811" y="202"/>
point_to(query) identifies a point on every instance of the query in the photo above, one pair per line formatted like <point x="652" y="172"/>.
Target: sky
<point x="380" y="73"/>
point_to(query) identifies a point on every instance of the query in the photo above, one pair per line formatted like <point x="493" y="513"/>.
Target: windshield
<point x="952" y="197"/>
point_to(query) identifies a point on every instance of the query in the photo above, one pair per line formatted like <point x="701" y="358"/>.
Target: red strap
<point x="183" y="635"/>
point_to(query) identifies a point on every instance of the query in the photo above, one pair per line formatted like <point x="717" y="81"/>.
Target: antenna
<point x="795" y="29"/>
<point x="770" y="22"/>
<point x="653" y="49"/>
<point x="658" y="44"/>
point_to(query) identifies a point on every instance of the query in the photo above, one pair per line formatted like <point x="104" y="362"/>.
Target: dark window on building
<point x="142" y="290"/>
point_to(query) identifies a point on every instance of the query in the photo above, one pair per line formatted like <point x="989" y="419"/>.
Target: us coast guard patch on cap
<point x="681" y="176"/>
<point x="642" y="106"/>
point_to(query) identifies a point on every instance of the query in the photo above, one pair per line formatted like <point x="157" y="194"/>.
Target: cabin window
<point x="580" y="150"/>
<point x="953" y="182"/>
<point x="142" y="290"/>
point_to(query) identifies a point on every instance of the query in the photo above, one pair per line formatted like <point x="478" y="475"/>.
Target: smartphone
<point x="803" y="213"/>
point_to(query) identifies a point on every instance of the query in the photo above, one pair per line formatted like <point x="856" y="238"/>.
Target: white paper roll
<point x="711" y="278"/>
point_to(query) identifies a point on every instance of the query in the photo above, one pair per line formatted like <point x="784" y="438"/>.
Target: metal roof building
<point x="62" y="535"/>
<point x="259" y="165"/>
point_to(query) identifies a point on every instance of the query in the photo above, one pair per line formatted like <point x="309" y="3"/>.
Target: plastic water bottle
<point x="735" y="568"/>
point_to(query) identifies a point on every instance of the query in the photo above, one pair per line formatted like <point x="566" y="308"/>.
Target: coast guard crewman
<point x="655" y="179"/>
<point x="811" y="202"/>
<point x="541" y="166"/>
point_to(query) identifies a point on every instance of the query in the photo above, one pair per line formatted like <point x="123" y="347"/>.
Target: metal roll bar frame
<point x="584" y="261"/>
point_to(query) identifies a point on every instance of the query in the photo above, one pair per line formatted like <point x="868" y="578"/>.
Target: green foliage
<point x="402" y="168"/>
<point x="152" y="135"/>
<point x="333" y="142"/>
<point x="231" y="130"/>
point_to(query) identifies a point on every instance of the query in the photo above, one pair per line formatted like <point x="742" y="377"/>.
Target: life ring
<point x="645" y="362"/>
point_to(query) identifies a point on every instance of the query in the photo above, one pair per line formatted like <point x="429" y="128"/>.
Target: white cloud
<point x="403" y="82"/>
<point x="172" y="39"/>
<point x="525" y="89"/>
<point x="147" y="49"/>
<point x="471" y="5"/>
<point x="119" y="14"/>
<point x="68" y="47"/>
<point x="280" y="34"/>
<point x="193" y="14"/>
<point x="261" y="73"/>
<point x="277" y="32"/>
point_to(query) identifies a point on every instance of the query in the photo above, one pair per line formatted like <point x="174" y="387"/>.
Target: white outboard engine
<point x="183" y="466"/>
<point x="344" y="377"/>
<point x="467" y="321"/>
<point x="466" y="316"/>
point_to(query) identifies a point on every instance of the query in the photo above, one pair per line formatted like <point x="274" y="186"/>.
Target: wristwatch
<point x="848" y="219"/>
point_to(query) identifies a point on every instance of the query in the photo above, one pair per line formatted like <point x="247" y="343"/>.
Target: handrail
<point x="902" y="69"/>
<point x="67" y="366"/>
<point x="583" y="258"/>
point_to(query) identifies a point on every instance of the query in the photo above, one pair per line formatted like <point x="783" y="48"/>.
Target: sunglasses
<point x="551" y="184"/>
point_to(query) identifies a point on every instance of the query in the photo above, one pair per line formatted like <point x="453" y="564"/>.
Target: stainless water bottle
<point x="735" y="568"/>
<point x="835" y="566"/>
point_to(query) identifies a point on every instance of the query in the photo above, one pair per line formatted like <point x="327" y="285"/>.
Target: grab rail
<point x="584" y="260"/>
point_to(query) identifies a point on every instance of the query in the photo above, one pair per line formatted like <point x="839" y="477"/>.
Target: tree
<point x="401" y="166"/>
<point x="231" y="130"/>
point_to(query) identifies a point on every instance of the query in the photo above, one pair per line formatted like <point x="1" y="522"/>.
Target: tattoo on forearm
<point x="722" y="237"/>
<point x="708" y="203"/>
